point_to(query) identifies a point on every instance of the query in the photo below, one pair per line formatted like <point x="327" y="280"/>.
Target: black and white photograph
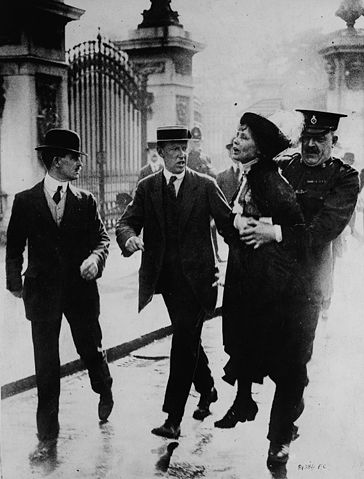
<point x="182" y="239"/>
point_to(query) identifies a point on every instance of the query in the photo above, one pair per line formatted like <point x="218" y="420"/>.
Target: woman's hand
<point x="257" y="233"/>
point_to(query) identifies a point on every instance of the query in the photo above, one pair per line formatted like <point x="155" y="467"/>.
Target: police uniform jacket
<point x="327" y="195"/>
<point x="200" y="163"/>
<point x="55" y="254"/>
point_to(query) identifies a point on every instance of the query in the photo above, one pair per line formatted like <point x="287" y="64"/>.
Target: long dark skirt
<point x="268" y="321"/>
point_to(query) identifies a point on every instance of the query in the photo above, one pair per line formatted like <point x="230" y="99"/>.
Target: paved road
<point x="119" y="318"/>
<point x="331" y="428"/>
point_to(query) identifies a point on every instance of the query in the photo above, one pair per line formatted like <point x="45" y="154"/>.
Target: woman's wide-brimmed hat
<point x="62" y="139"/>
<point x="267" y="135"/>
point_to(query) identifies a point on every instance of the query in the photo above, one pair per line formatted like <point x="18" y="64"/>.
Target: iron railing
<point x="107" y="107"/>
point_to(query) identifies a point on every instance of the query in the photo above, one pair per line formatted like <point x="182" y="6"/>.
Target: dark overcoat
<point x="261" y="283"/>
<point x="55" y="254"/>
<point x="228" y="182"/>
<point x="146" y="170"/>
<point x="201" y="199"/>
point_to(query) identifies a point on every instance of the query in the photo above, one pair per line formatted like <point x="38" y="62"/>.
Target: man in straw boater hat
<point x="327" y="191"/>
<point x="67" y="249"/>
<point x="173" y="208"/>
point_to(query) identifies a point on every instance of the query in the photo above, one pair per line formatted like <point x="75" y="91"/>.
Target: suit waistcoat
<point x="57" y="210"/>
<point x="171" y="208"/>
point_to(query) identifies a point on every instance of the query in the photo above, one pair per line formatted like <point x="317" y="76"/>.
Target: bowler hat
<point x="173" y="133"/>
<point x="62" y="139"/>
<point x="320" y="122"/>
<point x="267" y="135"/>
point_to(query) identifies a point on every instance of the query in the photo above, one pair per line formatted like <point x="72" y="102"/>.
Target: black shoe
<point x="235" y="415"/>
<point x="44" y="450"/>
<point x="278" y="453"/>
<point x="168" y="430"/>
<point x="203" y="407"/>
<point x="106" y="404"/>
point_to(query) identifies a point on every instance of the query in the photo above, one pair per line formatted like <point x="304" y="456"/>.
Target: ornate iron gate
<point x="107" y="108"/>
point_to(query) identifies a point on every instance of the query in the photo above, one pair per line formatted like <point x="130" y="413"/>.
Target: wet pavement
<point x="331" y="428"/>
<point x="119" y="319"/>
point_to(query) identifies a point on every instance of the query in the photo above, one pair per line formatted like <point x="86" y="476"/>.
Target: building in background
<point x="343" y="52"/>
<point x="33" y="79"/>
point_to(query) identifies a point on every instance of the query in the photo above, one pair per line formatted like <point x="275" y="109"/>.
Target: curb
<point x="114" y="353"/>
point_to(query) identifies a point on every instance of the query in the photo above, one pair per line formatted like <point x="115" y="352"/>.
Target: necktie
<point x="237" y="173"/>
<point x="57" y="195"/>
<point x="170" y="186"/>
<point x="243" y="188"/>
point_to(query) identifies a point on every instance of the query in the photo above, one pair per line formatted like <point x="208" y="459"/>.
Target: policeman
<point x="327" y="191"/>
<point x="196" y="160"/>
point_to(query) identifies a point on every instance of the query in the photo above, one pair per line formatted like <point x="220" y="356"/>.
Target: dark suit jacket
<point x="201" y="199"/>
<point x="146" y="170"/>
<point x="55" y="254"/>
<point x="228" y="182"/>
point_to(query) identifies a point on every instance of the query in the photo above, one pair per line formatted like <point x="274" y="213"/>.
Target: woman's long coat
<point x="264" y="287"/>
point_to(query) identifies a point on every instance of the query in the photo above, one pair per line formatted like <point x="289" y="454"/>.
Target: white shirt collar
<point x="52" y="184"/>
<point x="246" y="167"/>
<point x="167" y="175"/>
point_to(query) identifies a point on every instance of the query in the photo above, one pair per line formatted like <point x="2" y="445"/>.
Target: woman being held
<point x="264" y="289"/>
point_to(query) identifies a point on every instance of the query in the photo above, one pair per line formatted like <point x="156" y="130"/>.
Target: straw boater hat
<point x="173" y="133"/>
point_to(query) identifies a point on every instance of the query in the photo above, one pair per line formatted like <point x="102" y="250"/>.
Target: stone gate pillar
<point x="343" y="52"/>
<point x="161" y="49"/>
<point x="33" y="96"/>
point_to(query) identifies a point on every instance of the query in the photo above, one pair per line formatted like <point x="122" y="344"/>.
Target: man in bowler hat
<point x="67" y="249"/>
<point x="173" y="208"/>
<point x="327" y="191"/>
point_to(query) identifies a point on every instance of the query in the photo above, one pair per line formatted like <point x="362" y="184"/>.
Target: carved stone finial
<point x="350" y="11"/>
<point x="160" y="14"/>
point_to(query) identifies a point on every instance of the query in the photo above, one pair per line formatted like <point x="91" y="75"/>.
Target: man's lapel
<point x="40" y="203"/>
<point x="72" y="206"/>
<point x="190" y="184"/>
<point x="157" y="198"/>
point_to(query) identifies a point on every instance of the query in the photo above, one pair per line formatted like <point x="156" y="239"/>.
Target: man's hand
<point x="134" y="243"/>
<point x="257" y="233"/>
<point x="18" y="293"/>
<point x="89" y="268"/>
